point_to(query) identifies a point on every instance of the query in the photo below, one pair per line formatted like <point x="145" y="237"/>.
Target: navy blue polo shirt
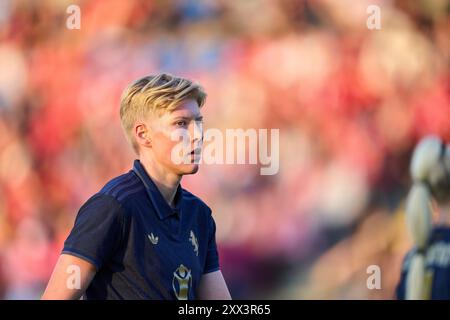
<point x="437" y="273"/>
<point x="141" y="247"/>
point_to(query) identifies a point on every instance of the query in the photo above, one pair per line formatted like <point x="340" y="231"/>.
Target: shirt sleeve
<point x="400" y="291"/>
<point x="212" y="256"/>
<point x="97" y="231"/>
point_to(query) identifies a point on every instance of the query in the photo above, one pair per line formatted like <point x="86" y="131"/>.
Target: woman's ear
<point x="142" y="135"/>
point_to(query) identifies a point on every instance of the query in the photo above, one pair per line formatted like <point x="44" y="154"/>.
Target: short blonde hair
<point x="155" y="94"/>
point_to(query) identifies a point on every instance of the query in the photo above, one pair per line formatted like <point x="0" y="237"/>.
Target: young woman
<point x="143" y="236"/>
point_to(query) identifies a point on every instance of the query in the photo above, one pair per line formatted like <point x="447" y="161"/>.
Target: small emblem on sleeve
<point x="193" y="240"/>
<point x="152" y="238"/>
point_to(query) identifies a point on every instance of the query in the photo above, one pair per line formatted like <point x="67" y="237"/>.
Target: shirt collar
<point x="162" y="208"/>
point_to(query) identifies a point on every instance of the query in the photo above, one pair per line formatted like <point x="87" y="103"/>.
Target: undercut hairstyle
<point x="155" y="94"/>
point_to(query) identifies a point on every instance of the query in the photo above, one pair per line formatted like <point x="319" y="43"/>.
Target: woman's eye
<point x="181" y="123"/>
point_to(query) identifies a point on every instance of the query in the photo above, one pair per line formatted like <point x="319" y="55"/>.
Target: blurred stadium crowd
<point x="350" y="104"/>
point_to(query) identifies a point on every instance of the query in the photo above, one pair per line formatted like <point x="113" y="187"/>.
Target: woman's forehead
<point x="187" y="108"/>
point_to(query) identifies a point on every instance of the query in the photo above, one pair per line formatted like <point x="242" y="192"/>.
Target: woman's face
<point x="177" y="138"/>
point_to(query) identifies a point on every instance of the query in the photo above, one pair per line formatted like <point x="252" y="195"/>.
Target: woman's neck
<point x="166" y="182"/>
<point x="444" y="214"/>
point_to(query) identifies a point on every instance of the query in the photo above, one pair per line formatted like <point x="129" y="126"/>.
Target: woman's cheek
<point x="173" y="148"/>
<point x="167" y="143"/>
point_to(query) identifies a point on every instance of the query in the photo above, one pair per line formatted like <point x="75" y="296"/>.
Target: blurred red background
<point x="350" y="104"/>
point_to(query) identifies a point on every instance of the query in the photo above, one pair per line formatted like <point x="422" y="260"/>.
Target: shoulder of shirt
<point x="440" y="233"/>
<point x="123" y="187"/>
<point x="192" y="199"/>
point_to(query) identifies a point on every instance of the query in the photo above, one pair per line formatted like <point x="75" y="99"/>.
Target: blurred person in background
<point x="426" y="268"/>
<point x="143" y="236"/>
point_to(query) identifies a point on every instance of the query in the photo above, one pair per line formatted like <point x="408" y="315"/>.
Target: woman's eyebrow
<point x="198" y="118"/>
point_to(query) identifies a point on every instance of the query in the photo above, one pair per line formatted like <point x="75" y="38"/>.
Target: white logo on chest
<point x="193" y="240"/>
<point x="152" y="238"/>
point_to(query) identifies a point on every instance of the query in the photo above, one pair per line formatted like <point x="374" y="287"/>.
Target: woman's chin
<point x="189" y="168"/>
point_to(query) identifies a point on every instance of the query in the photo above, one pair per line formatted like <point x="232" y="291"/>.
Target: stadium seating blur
<point x="350" y="104"/>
